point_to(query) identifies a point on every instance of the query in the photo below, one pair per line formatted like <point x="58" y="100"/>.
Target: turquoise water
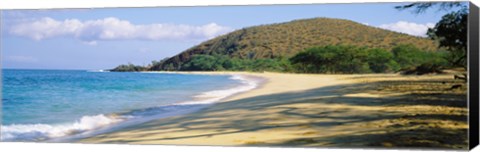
<point x="44" y="104"/>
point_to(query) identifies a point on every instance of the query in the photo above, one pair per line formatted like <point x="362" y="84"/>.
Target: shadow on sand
<point x="426" y="115"/>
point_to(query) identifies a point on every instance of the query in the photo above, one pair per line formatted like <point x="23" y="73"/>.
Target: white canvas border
<point x="58" y="147"/>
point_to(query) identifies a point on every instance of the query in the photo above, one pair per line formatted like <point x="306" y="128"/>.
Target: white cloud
<point x="111" y="28"/>
<point x="20" y="58"/>
<point x="408" y="27"/>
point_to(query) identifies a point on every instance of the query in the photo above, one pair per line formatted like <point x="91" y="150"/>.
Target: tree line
<point x="331" y="59"/>
<point x="326" y="59"/>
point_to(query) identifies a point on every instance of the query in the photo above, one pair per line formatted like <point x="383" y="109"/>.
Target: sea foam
<point x="217" y="95"/>
<point x="38" y="132"/>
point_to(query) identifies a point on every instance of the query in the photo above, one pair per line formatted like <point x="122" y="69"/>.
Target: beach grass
<point x="311" y="110"/>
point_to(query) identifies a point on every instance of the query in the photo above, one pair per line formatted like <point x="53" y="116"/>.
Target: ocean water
<point x="43" y="105"/>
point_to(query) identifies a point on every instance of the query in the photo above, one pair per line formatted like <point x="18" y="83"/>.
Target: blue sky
<point x="104" y="38"/>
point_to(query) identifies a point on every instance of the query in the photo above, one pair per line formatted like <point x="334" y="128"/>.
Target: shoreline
<point x="314" y="110"/>
<point x="111" y="122"/>
<point x="194" y="105"/>
<point x="263" y="79"/>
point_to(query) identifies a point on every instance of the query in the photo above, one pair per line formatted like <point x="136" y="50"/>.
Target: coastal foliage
<point x="326" y="59"/>
<point x="333" y="59"/>
<point x="450" y="31"/>
<point x="351" y="59"/>
<point x="128" y="68"/>
<point x="225" y="63"/>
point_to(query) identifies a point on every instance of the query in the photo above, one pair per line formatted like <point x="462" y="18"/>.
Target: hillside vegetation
<point x="274" y="48"/>
<point x="287" y="39"/>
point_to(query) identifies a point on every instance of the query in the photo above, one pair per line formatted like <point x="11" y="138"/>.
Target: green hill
<point x="284" y="40"/>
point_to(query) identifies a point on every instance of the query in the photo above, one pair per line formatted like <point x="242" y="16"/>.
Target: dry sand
<point x="379" y="110"/>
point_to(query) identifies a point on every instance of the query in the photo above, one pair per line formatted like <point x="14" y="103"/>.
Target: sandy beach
<point x="313" y="110"/>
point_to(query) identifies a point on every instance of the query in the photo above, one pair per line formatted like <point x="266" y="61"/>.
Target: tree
<point x="351" y="59"/>
<point x="200" y="63"/>
<point x="450" y="31"/>
<point x="421" y="7"/>
<point x="128" y="68"/>
<point x="332" y="59"/>
<point x="380" y="60"/>
<point x="407" y="56"/>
